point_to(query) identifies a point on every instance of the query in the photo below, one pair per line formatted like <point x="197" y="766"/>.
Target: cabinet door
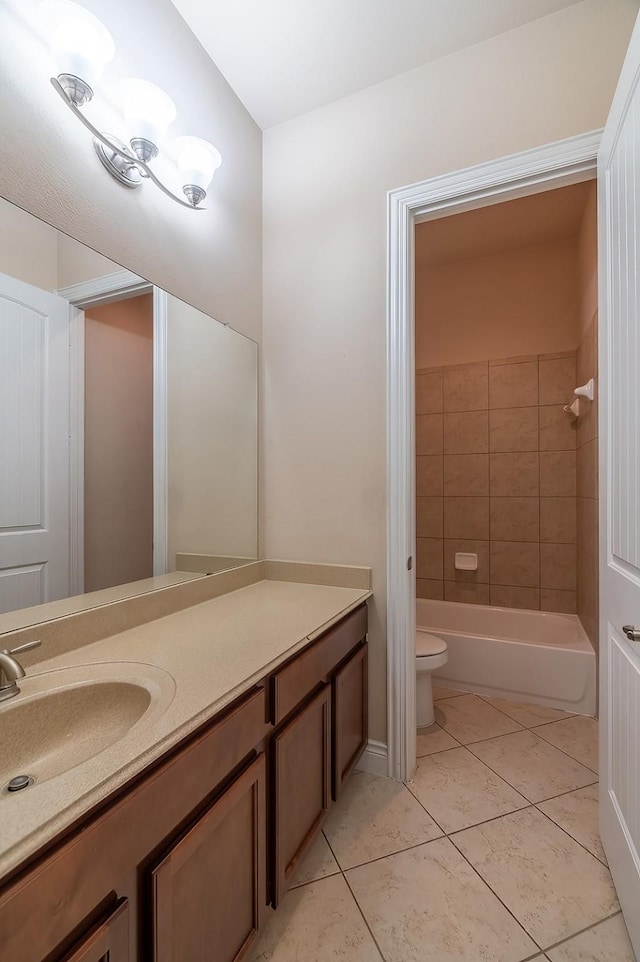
<point x="209" y="891"/>
<point x="301" y="756"/>
<point x="350" y="716"/>
<point x="108" y="941"/>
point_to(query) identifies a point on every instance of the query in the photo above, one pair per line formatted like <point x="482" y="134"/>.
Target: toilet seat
<point x="428" y="645"/>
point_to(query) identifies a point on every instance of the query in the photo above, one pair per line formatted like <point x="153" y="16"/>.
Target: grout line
<point x="353" y="896"/>
<point x="486" y="698"/>
<point x="566" y="754"/>
<point x="491" y="889"/>
<point x="572" y="837"/>
<point x="587" y="928"/>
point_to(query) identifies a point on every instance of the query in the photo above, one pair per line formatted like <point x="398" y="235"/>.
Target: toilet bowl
<point x="431" y="653"/>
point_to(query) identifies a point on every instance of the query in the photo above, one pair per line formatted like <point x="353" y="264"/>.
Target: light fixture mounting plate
<point x="124" y="172"/>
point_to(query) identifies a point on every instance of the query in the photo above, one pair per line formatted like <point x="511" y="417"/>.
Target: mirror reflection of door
<point x="118" y="443"/>
<point x="34" y="440"/>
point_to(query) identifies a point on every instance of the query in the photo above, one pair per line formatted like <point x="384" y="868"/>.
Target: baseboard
<point x="374" y="759"/>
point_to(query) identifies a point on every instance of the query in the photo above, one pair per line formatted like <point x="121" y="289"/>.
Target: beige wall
<point x="28" y="248"/>
<point x="38" y="254"/>
<point x="587" y="453"/>
<point x="212" y="400"/>
<point x="496" y="476"/>
<point x="213" y="259"/>
<point x="118" y="446"/>
<point x="512" y="303"/>
<point x="78" y="263"/>
<point x="325" y="180"/>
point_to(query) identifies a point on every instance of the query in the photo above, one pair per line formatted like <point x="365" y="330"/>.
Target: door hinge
<point x="409" y="563"/>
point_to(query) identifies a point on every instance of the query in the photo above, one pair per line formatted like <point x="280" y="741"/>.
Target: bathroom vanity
<point x="176" y="854"/>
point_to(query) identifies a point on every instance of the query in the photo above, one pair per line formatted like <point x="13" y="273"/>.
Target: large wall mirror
<point x="128" y="431"/>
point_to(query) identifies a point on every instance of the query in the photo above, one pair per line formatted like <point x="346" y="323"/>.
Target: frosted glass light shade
<point x="80" y="44"/>
<point x="148" y="110"/>
<point x="197" y="161"/>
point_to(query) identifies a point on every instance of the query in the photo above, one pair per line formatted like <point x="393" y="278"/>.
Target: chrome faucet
<point x="11" y="670"/>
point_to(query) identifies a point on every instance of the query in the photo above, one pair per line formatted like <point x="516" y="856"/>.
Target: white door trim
<point x="93" y="293"/>
<point x="160" y="470"/>
<point x="553" y="165"/>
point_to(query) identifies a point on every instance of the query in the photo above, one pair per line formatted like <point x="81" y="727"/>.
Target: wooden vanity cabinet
<point x="180" y="864"/>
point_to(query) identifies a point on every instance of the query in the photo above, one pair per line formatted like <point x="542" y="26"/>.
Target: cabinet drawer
<point x="315" y="664"/>
<point x="208" y="891"/>
<point x="124" y="835"/>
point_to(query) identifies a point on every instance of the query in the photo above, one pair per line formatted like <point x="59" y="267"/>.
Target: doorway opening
<point x="506" y="452"/>
<point x="558" y="165"/>
<point x="118" y="455"/>
<point x="118" y="442"/>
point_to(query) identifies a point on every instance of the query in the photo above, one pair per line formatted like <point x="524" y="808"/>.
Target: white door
<point x="619" y="252"/>
<point x="34" y="445"/>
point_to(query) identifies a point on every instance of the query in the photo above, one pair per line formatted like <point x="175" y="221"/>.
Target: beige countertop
<point x="202" y="657"/>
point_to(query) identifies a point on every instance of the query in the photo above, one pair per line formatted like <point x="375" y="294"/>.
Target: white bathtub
<point x="533" y="656"/>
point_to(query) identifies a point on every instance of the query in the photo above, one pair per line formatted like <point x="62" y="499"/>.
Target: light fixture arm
<point x="143" y="168"/>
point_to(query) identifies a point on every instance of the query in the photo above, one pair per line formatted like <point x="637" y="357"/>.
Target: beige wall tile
<point x="552" y="599"/>
<point x="466" y="518"/>
<point x="558" y="520"/>
<point x="429" y="393"/>
<point x="514" y="519"/>
<point x="466" y="432"/>
<point x="558" y="566"/>
<point x="429" y="558"/>
<point x="557" y="474"/>
<point x="429" y="476"/>
<point x="513" y="429"/>
<point x="466" y="593"/>
<point x="429" y="517"/>
<point x="481" y="548"/>
<point x="429" y="434"/>
<point x="557" y="380"/>
<point x="558" y="430"/>
<point x="466" y="475"/>
<point x="514" y="475"/>
<point x="588" y="539"/>
<point x="466" y="387"/>
<point x="515" y="563"/>
<point x="587" y="470"/>
<point x="513" y="385"/>
<point x="428" y="588"/>
<point x="509" y="596"/>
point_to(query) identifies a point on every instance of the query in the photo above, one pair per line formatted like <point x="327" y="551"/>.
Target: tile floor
<point x="490" y="854"/>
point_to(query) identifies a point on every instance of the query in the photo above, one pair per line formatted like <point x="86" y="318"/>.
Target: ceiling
<point x="286" y="57"/>
<point x="552" y="215"/>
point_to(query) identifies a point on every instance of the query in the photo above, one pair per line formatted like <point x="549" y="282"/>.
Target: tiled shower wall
<point x="496" y="475"/>
<point x="587" y="481"/>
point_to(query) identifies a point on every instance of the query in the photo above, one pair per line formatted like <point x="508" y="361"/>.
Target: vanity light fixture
<point x="81" y="47"/>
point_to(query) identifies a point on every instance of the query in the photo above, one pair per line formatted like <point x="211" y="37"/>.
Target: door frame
<point x="557" y="164"/>
<point x="93" y="293"/>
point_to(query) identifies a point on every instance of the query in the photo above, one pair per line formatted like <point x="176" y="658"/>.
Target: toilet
<point x="431" y="653"/>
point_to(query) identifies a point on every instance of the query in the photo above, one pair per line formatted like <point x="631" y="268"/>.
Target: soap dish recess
<point x="466" y="561"/>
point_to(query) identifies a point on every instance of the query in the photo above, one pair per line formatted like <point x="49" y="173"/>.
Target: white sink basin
<point x="63" y="718"/>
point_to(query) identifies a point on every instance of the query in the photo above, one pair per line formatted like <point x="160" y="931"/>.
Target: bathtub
<point x="529" y="656"/>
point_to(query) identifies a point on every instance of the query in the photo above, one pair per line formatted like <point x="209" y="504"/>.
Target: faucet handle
<point x="26" y="647"/>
